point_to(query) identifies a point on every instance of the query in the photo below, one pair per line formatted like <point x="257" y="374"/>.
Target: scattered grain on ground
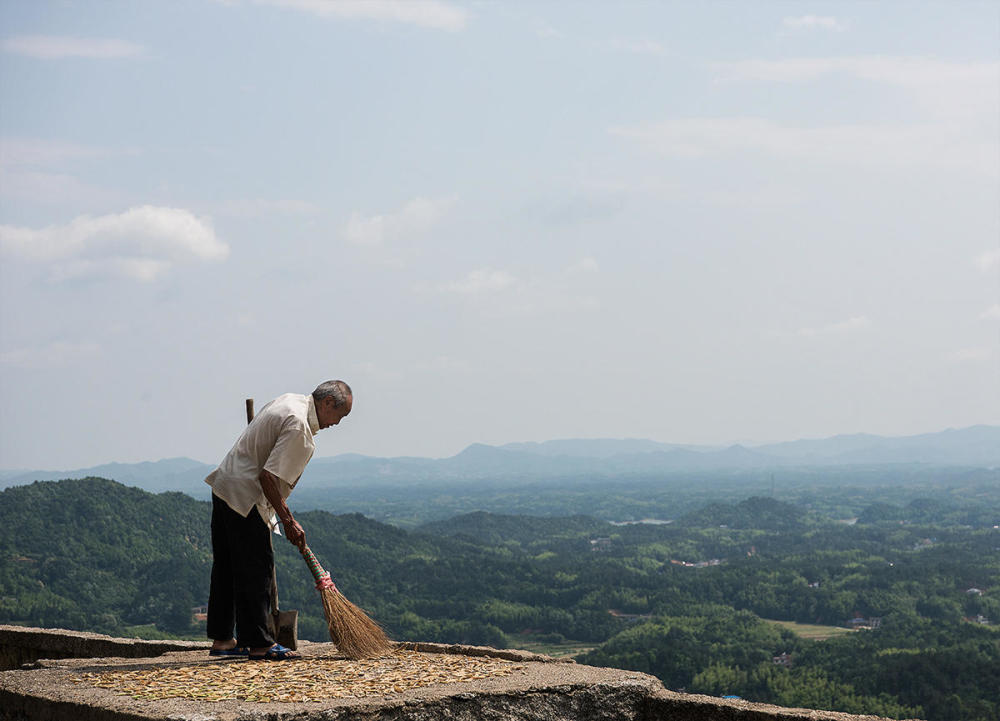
<point x="301" y="680"/>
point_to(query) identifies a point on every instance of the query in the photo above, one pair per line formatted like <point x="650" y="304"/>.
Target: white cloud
<point x="970" y="355"/>
<point x="484" y="280"/>
<point x="371" y="369"/>
<point x="579" y="208"/>
<point x="989" y="260"/>
<point x="31" y="187"/>
<point x="851" y="325"/>
<point x="363" y="230"/>
<point x="56" y="353"/>
<point x="943" y="88"/>
<point x="584" y="265"/>
<point x="991" y="313"/>
<point x="447" y="364"/>
<point x="246" y="320"/>
<point x="262" y="207"/>
<point x="20" y="151"/>
<point x="540" y="298"/>
<point x="57" y="47"/>
<point x="503" y="294"/>
<point x="33" y="171"/>
<point x="639" y="47"/>
<point x="879" y="146"/>
<point x="417" y="216"/>
<point x="917" y="73"/>
<point x="544" y="30"/>
<point x="813" y="22"/>
<point x="432" y="14"/>
<point x="761" y="198"/>
<point x="952" y="121"/>
<point x="142" y="243"/>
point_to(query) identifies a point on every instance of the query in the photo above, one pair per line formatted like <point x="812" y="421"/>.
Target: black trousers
<point x="242" y="573"/>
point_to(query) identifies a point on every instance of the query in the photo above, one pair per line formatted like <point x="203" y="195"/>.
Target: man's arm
<point x="293" y="531"/>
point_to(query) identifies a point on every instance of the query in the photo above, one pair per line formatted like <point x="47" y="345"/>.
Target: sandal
<point x="277" y="652"/>
<point x="234" y="651"/>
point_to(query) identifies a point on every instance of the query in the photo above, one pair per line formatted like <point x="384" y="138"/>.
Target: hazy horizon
<point x="697" y="223"/>
<point x="752" y="445"/>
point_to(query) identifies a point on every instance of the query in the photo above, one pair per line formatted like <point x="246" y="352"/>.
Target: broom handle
<point x="323" y="579"/>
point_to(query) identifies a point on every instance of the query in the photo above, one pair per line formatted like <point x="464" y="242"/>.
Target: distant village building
<point x="698" y="564"/>
<point x="783" y="660"/>
<point x="630" y="617"/>
<point x="974" y="591"/>
<point x="868" y="624"/>
<point x="600" y="544"/>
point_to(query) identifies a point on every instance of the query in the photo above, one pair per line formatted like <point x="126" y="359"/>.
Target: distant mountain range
<point x="171" y="474"/>
<point x="977" y="446"/>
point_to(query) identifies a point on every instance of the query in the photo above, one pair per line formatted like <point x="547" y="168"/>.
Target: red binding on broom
<point x="353" y="632"/>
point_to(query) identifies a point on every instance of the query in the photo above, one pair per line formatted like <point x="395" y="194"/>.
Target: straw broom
<point x="353" y="632"/>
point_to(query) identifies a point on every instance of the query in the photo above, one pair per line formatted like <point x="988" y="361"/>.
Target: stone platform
<point x="418" y="682"/>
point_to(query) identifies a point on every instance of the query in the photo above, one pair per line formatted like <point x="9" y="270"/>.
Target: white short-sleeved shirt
<point x="278" y="440"/>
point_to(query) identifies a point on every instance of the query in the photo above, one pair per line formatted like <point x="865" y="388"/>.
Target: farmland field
<point x="810" y="631"/>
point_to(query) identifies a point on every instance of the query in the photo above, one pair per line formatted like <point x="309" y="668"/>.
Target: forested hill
<point x="94" y="555"/>
<point x="686" y="601"/>
<point x="762" y="513"/>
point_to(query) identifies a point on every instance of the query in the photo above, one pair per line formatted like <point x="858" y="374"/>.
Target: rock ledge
<point x="540" y="689"/>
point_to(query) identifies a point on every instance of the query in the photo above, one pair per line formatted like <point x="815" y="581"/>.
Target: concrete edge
<point x="665" y="703"/>
<point x="38" y="644"/>
<point x="26" y="644"/>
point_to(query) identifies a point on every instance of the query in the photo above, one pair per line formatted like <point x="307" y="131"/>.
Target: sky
<point x="695" y="222"/>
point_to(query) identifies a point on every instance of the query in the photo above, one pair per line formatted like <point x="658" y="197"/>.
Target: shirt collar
<point x="312" y="417"/>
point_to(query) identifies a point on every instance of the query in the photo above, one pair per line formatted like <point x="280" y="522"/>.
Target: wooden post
<point x="249" y="410"/>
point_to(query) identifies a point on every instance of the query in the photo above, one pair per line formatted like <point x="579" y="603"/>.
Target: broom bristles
<point x="354" y="633"/>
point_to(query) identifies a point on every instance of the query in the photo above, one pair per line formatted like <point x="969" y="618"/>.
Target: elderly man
<point x="248" y="488"/>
